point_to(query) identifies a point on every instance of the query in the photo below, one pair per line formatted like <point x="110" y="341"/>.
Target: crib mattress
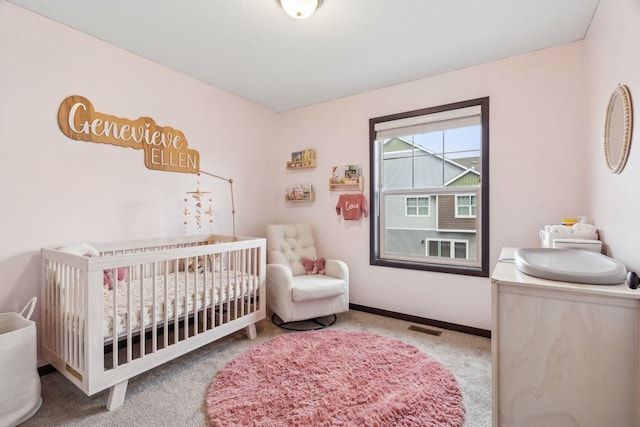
<point x="185" y="294"/>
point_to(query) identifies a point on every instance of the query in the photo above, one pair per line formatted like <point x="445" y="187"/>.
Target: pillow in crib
<point x="214" y="262"/>
<point x="200" y="263"/>
<point x="108" y="279"/>
<point x="80" y="249"/>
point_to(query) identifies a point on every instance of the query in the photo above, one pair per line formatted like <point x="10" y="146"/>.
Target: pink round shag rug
<point x="334" y="378"/>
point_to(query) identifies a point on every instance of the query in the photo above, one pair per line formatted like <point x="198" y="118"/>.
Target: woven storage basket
<point x="19" y="380"/>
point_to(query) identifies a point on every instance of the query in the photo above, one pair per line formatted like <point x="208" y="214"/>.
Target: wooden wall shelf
<point x="311" y="198"/>
<point x="350" y="185"/>
<point x="301" y="165"/>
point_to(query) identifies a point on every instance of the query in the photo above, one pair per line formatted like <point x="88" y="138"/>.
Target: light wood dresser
<point x="563" y="354"/>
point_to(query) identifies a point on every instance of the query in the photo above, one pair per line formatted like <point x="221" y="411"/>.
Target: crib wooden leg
<point x="116" y="395"/>
<point x="251" y="331"/>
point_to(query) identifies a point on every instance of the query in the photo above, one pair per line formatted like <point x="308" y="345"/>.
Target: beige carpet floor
<point x="174" y="394"/>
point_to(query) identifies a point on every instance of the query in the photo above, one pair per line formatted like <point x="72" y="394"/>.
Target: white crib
<point x="178" y="294"/>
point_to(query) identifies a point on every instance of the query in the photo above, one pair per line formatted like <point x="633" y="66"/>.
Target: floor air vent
<point x="424" y="330"/>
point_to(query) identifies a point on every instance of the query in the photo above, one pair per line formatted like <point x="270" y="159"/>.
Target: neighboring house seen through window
<point x="430" y="188"/>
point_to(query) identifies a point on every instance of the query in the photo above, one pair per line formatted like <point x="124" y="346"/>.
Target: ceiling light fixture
<point x="300" y="9"/>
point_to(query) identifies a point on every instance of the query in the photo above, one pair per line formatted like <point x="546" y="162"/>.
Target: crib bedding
<point x="195" y="291"/>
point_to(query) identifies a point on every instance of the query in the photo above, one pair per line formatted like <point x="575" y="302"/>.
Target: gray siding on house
<point x="404" y="242"/>
<point x="429" y="171"/>
<point x="413" y="242"/>
<point x="395" y="214"/>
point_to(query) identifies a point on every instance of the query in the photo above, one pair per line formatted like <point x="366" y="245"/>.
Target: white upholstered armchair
<point x="292" y="294"/>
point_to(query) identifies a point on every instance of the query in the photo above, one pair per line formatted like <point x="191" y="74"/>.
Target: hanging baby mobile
<point x="198" y="210"/>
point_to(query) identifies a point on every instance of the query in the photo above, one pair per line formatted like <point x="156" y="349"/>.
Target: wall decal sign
<point x="164" y="148"/>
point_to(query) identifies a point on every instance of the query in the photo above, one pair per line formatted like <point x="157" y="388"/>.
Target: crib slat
<point x="140" y="308"/>
<point x="67" y="315"/>
<point x="76" y="319"/>
<point x="241" y="285"/>
<point x="83" y="325"/>
<point x="62" y="314"/>
<point x="56" y="313"/>
<point x="154" y="320"/>
<point x="220" y="290"/>
<point x="193" y="297"/>
<point x="114" y="314"/>
<point x="166" y="303"/>
<point x="234" y="284"/>
<point x="215" y="286"/>
<point x="208" y="268"/>
<point x="230" y="262"/>
<point x="245" y="281"/>
<point x="253" y="291"/>
<point x="176" y="321"/>
<point x="129" y="339"/>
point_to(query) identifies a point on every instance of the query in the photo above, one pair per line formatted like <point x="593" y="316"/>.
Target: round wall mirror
<point x="618" y="126"/>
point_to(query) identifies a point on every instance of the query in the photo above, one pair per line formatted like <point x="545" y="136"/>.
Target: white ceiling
<point x="251" y="48"/>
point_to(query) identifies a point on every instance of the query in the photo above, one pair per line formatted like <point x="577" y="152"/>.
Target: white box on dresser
<point x="563" y="354"/>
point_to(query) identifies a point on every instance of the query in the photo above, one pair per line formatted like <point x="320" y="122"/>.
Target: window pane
<point x="434" y="248"/>
<point x="460" y="250"/>
<point x="465" y="206"/>
<point x="417" y="206"/>
<point x="431" y="161"/>
<point x="445" y="249"/>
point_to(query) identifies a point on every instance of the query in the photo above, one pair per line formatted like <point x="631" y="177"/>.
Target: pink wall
<point x="537" y="133"/>
<point x="58" y="191"/>
<point x="546" y="155"/>
<point x="611" y="58"/>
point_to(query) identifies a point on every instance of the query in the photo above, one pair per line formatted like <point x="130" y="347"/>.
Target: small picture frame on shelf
<point x="302" y="159"/>
<point x="296" y="157"/>
<point x="346" y="174"/>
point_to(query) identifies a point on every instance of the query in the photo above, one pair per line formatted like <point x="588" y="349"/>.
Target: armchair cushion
<point x="312" y="287"/>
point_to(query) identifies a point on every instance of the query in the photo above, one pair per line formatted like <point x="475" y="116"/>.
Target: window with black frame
<point x="430" y="188"/>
